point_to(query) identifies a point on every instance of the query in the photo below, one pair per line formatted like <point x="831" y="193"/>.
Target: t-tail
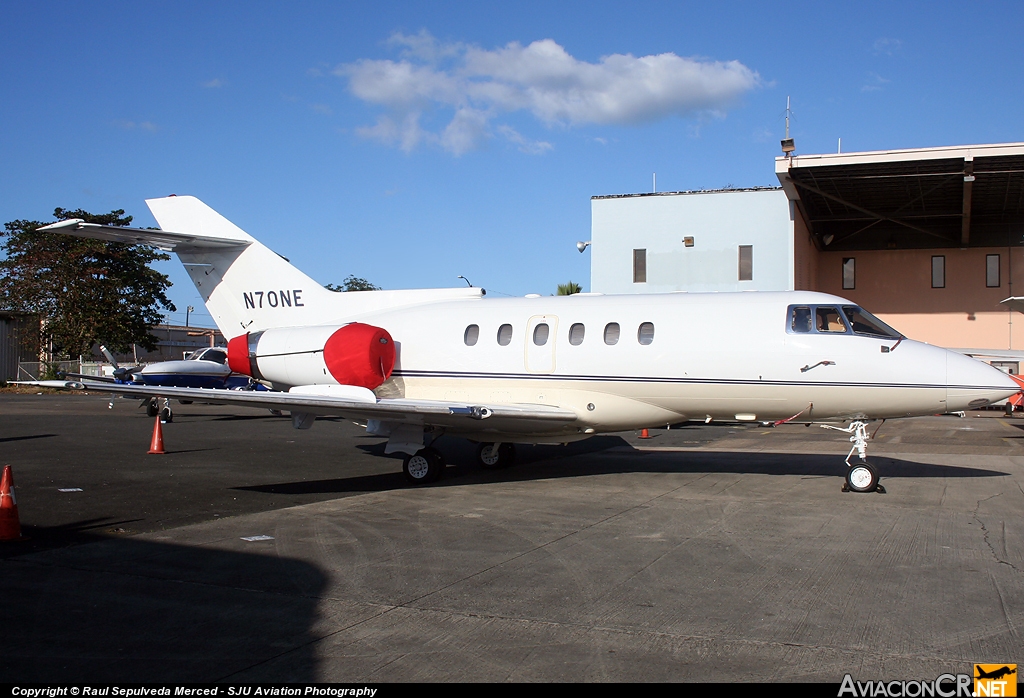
<point x="246" y="286"/>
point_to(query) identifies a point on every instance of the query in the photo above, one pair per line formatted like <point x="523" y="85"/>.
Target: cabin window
<point x="992" y="270"/>
<point x="611" y="333"/>
<point x="829" y="320"/>
<point x="639" y="266"/>
<point x="540" y="334"/>
<point x="746" y="262"/>
<point x="800" y="321"/>
<point x="939" y="271"/>
<point x="576" y="333"/>
<point x="645" y="335"/>
<point x="849" y="273"/>
<point x="472" y="334"/>
<point x="505" y="335"/>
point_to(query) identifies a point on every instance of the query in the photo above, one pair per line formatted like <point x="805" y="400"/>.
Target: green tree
<point x="569" y="288"/>
<point x="353" y="283"/>
<point x="85" y="290"/>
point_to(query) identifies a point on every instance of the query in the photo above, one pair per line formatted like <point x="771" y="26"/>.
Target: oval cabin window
<point x="472" y="334"/>
<point x="540" y="334"/>
<point x="505" y="335"/>
<point x="576" y="333"/>
<point x="611" y="333"/>
<point x="645" y="335"/>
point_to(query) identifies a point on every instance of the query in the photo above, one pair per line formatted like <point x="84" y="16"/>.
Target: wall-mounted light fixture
<point x="581" y="246"/>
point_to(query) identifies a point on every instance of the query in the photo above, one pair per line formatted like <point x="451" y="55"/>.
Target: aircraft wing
<point x="459" y="415"/>
<point x="162" y="239"/>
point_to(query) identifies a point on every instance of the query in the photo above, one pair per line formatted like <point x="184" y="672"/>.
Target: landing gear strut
<point x="861" y="475"/>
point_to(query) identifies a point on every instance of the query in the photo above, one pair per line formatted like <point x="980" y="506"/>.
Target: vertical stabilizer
<point x="248" y="287"/>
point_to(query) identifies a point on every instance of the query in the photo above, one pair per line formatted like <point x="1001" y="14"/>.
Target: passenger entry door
<point x="541" y="333"/>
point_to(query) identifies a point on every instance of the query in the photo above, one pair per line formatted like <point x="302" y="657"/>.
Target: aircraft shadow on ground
<point x="133" y="610"/>
<point x="616" y="455"/>
<point x="25" y="438"/>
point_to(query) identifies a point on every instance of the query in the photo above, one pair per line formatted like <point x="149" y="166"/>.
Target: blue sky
<point x="409" y="143"/>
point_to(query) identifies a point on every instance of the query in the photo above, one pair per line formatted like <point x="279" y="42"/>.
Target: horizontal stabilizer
<point x="162" y="239"/>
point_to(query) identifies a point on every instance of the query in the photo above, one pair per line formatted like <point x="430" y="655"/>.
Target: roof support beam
<point x="872" y="214"/>
<point x="965" y="227"/>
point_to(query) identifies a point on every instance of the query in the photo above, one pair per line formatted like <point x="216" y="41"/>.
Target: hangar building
<point x="928" y="239"/>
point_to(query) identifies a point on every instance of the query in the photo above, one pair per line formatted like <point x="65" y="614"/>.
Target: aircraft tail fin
<point x="247" y="287"/>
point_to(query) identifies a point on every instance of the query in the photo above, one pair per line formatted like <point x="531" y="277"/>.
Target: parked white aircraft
<point x="417" y="364"/>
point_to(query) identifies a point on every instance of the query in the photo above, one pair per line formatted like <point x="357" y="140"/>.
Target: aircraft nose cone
<point x="971" y="384"/>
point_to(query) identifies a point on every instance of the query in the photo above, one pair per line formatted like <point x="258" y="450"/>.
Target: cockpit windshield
<point x="864" y="322"/>
<point x="828" y="319"/>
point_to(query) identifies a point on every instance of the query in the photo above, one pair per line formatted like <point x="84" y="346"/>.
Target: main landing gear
<point x="496" y="456"/>
<point x="861" y="475"/>
<point x="153" y="408"/>
<point x="424" y="466"/>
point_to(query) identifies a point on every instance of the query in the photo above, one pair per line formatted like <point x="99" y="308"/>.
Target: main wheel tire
<point x="504" y="458"/>
<point x="166" y="416"/>
<point x="862" y="477"/>
<point x="423" y="467"/>
<point x="1008" y="409"/>
<point x="152" y="409"/>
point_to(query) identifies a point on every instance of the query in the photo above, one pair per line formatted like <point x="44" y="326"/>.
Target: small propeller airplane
<point x="416" y="364"/>
<point x="203" y="368"/>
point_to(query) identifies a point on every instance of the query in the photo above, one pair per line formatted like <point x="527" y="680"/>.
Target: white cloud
<point x="132" y="125"/>
<point x="886" y="46"/>
<point x="875" y="83"/>
<point x="475" y="85"/>
<point x="216" y="82"/>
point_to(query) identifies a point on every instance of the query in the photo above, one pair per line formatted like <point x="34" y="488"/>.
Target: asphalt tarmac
<point x="705" y="553"/>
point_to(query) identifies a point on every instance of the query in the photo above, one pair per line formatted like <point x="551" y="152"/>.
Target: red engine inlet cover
<point x="359" y="354"/>
<point x="238" y="354"/>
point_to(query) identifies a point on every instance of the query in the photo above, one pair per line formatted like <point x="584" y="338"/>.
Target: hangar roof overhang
<point x="957" y="196"/>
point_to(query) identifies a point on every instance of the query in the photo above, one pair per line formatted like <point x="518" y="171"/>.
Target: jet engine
<point x="352" y="354"/>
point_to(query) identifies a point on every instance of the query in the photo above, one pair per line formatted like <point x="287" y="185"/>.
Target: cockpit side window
<point x="800" y="319"/>
<point x="865" y="323"/>
<point x="828" y="319"/>
<point x="215" y="355"/>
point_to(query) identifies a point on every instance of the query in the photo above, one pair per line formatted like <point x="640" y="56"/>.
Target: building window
<point x="645" y="335"/>
<point x="939" y="271"/>
<point x="472" y="334"/>
<point x="746" y="262"/>
<point x="576" y="333"/>
<point x="504" y="335"/>
<point x="639" y="266"/>
<point x="992" y="270"/>
<point x="611" y="333"/>
<point x="849" y="273"/>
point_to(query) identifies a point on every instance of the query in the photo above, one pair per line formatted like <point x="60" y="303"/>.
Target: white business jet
<point x="420" y="363"/>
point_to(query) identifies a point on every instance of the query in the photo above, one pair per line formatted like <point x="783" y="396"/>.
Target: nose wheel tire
<point x="496" y="456"/>
<point x="862" y="477"/>
<point x="425" y="466"/>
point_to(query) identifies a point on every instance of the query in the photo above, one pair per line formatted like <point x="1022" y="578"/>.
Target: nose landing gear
<point x="861" y="475"/>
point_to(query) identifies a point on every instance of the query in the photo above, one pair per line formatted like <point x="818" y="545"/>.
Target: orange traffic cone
<point x="157" y="444"/>
<point x="10" y="526"/>
<point x="644" y="434"/>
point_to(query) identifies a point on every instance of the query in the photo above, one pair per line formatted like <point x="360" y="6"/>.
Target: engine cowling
<point x="352" y="354"/>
